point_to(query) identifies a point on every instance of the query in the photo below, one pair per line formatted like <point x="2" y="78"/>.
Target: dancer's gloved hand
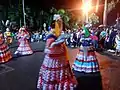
<point x="52" y="45"/>
<point x="57" y="43"/>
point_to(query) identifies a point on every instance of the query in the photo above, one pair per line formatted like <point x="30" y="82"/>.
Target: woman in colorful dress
<point x="8" y="36"/>
<point x="86" y="60"/>
<point x="5" y="54"/>
<point x="55" y="72"/>
<point x="24" y="47"/>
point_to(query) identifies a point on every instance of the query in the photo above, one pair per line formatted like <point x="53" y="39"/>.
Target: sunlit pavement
<point x="23" y="73"/>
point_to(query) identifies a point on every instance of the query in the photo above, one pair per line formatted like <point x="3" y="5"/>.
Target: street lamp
<point x="105" y="14"/>
<point x="24" y="12"/>
<point x="86" y="7"/>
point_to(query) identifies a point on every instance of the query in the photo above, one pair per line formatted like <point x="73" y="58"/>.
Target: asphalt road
<point x="21" y="73"/>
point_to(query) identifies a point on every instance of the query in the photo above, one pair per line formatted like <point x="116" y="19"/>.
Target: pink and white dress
<point x="24" y="47"/>
<point x="55" y="72"/>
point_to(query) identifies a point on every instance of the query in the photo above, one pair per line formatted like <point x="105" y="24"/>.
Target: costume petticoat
<point x="5" y="54"/>
<point x="86" y="60"/>
<point x="55" y="72"/>
<point x="24" y="47"/>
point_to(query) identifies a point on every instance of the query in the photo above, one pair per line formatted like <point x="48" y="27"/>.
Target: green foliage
<point x="35" y="17"/>
<point x="110" y="6"/>
<point x="61" y="11"/>
<point x="53" y="10"/>
<point x="73" y="22"/>
<point x="65" y="16"/>
<point x="13" y="14"/>
<point x="93" y="18"/>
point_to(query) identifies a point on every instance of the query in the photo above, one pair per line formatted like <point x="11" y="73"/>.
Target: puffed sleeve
<point x="56" y="49"/>
<point x="49" y="42"/>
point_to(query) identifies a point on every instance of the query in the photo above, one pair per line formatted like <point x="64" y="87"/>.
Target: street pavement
<point x="21" y="73"/>
<point x="107" y="79"/>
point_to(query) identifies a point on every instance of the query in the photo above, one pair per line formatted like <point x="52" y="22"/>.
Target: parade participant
<point x="5" y="54"/>
<point x="117" y="41"/>
<point x="112" y="38"/>
<point x="8" y="36"/>
<point x="102" y="38"/>
<point x="37" y="36"/>
<point x="94" y="40"/>
<point x="74" y="39"/>
<point x="86" y="60"/>
<point x="24" y="47"/>
<point x="55" y="72"/>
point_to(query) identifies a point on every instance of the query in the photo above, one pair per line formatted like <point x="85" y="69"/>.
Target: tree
<point x="93" y="18"/>
<point x="65" y="16"/>
<point x="20" y="12"/>
<point x="108" y="7"/>
<point x="111" y="5"/>
<point x="13" y="14"/>
<point x="52" y="11"/>
<point x="73" y="22"/>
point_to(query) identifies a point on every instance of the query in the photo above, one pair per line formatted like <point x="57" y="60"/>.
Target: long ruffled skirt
<point x="86" y="63"/>
<point x="24" y="48"/>
<point x="5" y="54"/>
<point x="56" y="74"/>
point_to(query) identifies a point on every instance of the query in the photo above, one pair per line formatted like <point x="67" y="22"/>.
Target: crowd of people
<point x="102" y="38"/>
<point x="55" y="72"/>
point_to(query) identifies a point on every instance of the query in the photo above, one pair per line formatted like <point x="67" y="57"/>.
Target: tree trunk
<point x="105" y="14"/>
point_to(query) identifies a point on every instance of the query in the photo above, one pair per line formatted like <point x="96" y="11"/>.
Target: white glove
<point x="51" y="46"/>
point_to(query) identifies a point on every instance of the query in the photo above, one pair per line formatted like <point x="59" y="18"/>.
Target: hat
<point x="56" y="17"/>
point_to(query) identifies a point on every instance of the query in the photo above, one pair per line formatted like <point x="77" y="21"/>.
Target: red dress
<point x="5" y="54"/>
<point x="55" y="72"/>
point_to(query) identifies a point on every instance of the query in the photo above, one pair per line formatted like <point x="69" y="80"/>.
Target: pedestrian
<point x="112" y="39"/>
<point x="74" y="39"/>
<point x="5" y="54"/>
<point x="94" y="40"/>
<point x="37" y="38"/>
<point x="102" y="39"/>
<point x="86" y="60"/>
<point x="8" y="36"/>
<point x="24" y="47"/>
<point x="106" y="42"/>
<point x="55" y="72"/>
<point x="117" y="41"/>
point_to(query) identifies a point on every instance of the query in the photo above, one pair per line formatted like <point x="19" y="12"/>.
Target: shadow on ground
<point x="88" y="81"/>
<point x="106" y="53"/>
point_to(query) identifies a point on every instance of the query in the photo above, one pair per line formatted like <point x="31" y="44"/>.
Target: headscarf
<point x="86" y="31"/>
<point x="55" y="29"/>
